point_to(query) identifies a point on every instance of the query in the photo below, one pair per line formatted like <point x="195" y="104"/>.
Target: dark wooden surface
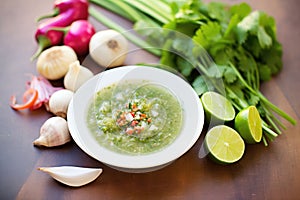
<point x="264" y="172"/>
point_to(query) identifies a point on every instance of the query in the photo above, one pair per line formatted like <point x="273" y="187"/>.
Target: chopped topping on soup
<point x="134" y="118"/>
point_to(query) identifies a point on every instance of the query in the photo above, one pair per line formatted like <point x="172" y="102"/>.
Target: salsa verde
<point x="135" y="117"/>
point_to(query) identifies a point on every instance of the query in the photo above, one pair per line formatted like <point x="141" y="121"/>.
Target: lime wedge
<point x="224" y="145"/>
<point x="217" y="106"/>
<point x="249" y="125"/>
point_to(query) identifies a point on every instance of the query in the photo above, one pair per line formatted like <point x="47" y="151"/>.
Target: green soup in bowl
<point x="135" y="117"/>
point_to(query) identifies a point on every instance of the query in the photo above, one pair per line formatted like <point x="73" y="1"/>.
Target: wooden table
<point x="271" y="172"/>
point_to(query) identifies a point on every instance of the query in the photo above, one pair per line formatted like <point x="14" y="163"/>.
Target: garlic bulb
<point x="76" y="76"/>
<point x="72" y="176"/>
<point x="53" y="63"/>
<point x="54" y="132"/>
<point x="59" y="102"/>
<point x="108" y="48"/>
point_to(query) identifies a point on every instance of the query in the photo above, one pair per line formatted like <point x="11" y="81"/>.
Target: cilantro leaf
<point x="252" y="45"/>
<point x="264" y="72"/>
<point x="230" y="32"/>
<point x="252" y="99"/>
<point x="218" y="11"/>
<point x="272" y="58"/>
<point x="184" y="66"/>
<point x="215" y="71"/>
<point x="202" y="85"/>
<point x="242" y="9"/>
<point x="264" y="39"/>
<point x="220" y="53"/>
<point x="229" y="75"/>
<point x="208" y="33"/>
<point x="249" y="24"/>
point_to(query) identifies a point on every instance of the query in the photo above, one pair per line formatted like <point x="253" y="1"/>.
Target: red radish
<point x="79" y="35"/>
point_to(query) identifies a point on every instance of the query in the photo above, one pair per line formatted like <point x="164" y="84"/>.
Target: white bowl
<point x="193" y="119"/>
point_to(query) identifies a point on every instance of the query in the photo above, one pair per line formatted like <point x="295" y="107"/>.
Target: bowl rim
<point x="184" y="141"/>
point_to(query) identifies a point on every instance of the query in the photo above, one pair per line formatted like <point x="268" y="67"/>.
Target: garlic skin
<point x="54" y="132"/>
<point x="108" y="48"/>
<point x="59" y="102"/>
<point x="72" y="176"/>
<point x="53" y="63"/>
<point x="76" y="76"/>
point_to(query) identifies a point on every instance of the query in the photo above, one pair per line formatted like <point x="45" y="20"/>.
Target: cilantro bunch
<point x="215" y="46"/>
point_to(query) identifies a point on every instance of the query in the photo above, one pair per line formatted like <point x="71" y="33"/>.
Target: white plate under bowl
<point x="193" y="119"/>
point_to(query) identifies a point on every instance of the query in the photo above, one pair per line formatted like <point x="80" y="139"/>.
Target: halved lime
<point x="217" y="106"/>
<point x="249" y="125"/>
<point x="224" y="145"/>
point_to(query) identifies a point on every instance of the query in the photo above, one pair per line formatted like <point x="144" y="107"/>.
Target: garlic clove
<point x="73" y="176"/>
<point x="53" y="63"/>
<point x="76" y="76"/>
<point x="54" y="132"/>
<point x="59" y="102"/>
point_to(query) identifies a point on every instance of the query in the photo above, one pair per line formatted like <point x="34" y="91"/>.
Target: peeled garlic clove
<point x="53" y="63"/>
<point x="59" y="102"/>
<point x="72" y="176"/>
<point x="76" y="76"/>
<point x="54" y="132"/>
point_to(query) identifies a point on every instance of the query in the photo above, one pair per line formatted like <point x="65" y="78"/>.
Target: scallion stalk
<point x="112" y="6"/>
<point x="142" y="6"/>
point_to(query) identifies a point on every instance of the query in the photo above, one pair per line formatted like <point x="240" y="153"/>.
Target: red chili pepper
<point x="27" y="103"/>
<point x="69" y="11"/>
<point x="132" y="114"/>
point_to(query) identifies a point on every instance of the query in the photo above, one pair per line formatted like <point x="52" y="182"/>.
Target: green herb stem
<point x="270" y="117"/>
<point x="264" y="140"/>
<point x="276" y="109"/>
<point x="264" y="99"/>
<point x="114" y="7"/>
<point x="269" y="131"/>
<point x="242" y="102"/>
<point x="152" y="10"/>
